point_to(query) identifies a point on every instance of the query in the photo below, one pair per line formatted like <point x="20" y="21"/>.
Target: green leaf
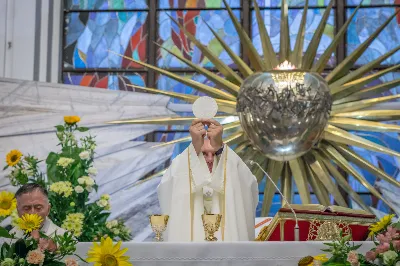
<point x="20" y="248"/>
<point x="4" y="233"/>
<point x="396" y="225"/>
<point x="82" y="129"/>
<point x="347" y="238"/>
<point x="5" y="167"/>
<point x="60" y="128"/>
<point x="330" y="244"/>
<point x="11" y="251"/>
<point x="356" y="247"/>
<point x="4" y="251"/>
<point x="52" y="158"/>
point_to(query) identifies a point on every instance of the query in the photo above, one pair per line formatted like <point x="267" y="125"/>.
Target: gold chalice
<point x="158" y="225"/>
<point x="211" y="223"/>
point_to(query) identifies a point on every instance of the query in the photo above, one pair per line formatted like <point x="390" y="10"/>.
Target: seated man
<point x="208" y="177"/>
<point x="33" y="199"/>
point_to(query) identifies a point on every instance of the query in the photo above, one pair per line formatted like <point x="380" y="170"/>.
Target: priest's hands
<point x="44" y="243"/>
<point x="214" y="133"/>
<point x="198" y="132"/>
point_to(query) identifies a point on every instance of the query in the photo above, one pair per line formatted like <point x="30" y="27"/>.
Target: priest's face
<point x="34" y="202"/>
<point x="208" y="153"/>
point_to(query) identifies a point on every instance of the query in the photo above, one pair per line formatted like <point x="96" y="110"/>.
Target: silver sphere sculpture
<point x="284" y="111"/>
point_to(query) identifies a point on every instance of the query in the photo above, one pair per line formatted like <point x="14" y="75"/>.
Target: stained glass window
<point x="292" y="3"/>
<point x="168" y="84"/>
<point x="171" y="37"/>
<point x="197" y="3"/>
<point x="272" y="20"/>
<point x="94" y="39"/>
<point x="105" y="4"/>
<point x="106" y="80"/>
<point x="365" y="23"/>
<point x="373" y="2"/>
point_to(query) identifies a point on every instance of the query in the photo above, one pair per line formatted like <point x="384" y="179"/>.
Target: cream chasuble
<point x="230" y="189"/>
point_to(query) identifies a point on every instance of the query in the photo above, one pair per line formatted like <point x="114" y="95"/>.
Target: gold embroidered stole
<point x="192" y="202"/>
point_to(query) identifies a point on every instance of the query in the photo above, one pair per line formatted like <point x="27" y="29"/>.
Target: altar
<point x="219" y="253"/>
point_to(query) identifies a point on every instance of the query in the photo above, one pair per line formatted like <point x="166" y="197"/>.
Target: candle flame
<point x="285" y="66"/>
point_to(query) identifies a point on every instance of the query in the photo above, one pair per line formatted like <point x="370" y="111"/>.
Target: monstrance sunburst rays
<point x="322" y="167"/>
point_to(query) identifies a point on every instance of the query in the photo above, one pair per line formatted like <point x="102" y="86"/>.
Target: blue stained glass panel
<point x="365" y="22"/>
<point x="372" y="2"/>
<point x="297" y="3"/>
<point x="105" y="4"/>
<point x="172" y="38"/>
<point x="105" y="80"/>
<point x="90" y="36"/>
<point x="197" y="3"/>
<point x="272" y="22"/>
<point x="167" y="84"/>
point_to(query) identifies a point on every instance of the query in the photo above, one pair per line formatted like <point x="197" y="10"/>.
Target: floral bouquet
<point x="70" y="178"/>
<point x="386" y="252"/>
<point x="35" y="248"/>
<point x="387" y="241"/>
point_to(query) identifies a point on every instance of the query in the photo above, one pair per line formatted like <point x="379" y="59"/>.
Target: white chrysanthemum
<point x="84" y="155"/>
<point x="92" y="171"/>
<point x="105" y="197"/>
<point x="102" y="203"/>
<point x="89" y="181"/>
<point x="79" y="189"/>
<point x="89" y="189"/>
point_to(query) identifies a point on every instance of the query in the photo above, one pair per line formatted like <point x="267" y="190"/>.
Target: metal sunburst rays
<point x="319" y="167"/>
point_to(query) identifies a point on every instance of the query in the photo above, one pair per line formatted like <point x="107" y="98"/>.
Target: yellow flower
<point x="108" y="254"/>
<point x="14" y="218"/>
<point x="70" y="120"/>
<point x="322" y="258"/>
<point x="382" y="224"/>
<point x="62" y="188"/>
<point x="74" y="223"/>
<point x="29" y="222"/>
<point x="8" y="203"/>
<point x="13" y="157"/>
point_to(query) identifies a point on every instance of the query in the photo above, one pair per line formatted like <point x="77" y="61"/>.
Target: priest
<point x="32" y="198"/>
<point x="208" y="178"/>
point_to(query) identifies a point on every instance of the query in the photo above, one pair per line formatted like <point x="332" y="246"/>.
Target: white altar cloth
<point x="217" y="253"/>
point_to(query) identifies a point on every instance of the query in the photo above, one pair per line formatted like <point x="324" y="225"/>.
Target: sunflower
<point x="29" y="222"/>
<point x="71" y="120"/>
<point x="13" y="157"/>
<point x="8" y="203"/>
<point x="316" y="260"/>
<point x="107" y="254"/>
<point x="382" y="224"/>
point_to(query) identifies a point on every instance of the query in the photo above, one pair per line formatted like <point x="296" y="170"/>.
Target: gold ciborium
<point x="158" y="225"/>
<point x="211" y="224"/>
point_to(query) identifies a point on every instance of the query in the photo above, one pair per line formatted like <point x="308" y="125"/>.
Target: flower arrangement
<point x="386" y="252"/>
<point x="108" y="254"/>
<point x="36" y="249"/>
<point x="70" y="178"/>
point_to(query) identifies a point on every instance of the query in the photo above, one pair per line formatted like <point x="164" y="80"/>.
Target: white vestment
<point x="48" y="228"/>
<point x="239" y="192"/>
